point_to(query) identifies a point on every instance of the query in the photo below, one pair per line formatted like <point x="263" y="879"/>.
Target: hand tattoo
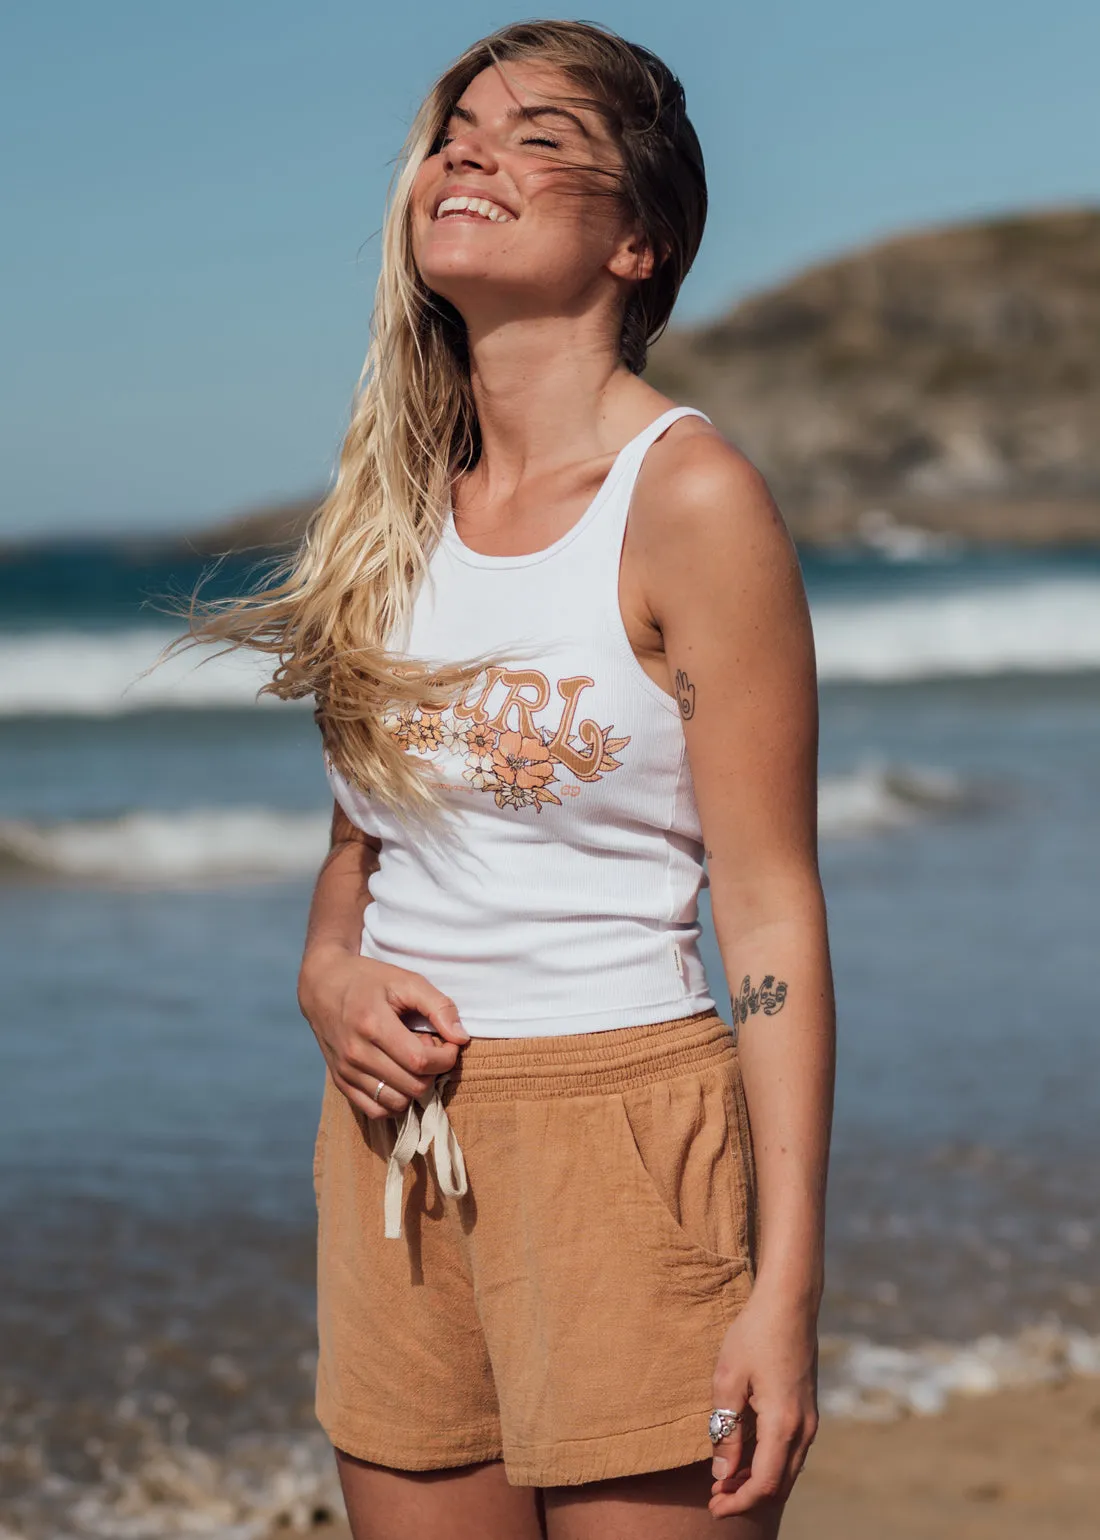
<point x="685" y="694"/>
<point x="769" y="998"/>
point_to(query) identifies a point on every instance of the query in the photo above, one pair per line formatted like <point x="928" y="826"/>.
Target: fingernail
<point x="462" y="1029"/>
<point x="719" y="1468"/>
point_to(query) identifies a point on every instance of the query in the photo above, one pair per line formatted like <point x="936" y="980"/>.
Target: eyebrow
<point x="525" y="115"/>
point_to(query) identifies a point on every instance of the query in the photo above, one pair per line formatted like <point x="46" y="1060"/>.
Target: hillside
<point x="948" y="379"/>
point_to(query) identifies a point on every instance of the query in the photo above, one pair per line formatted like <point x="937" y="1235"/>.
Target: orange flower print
<point x="480" y="740"/>
<point x="399" y="722"/>
<point x="426" y="733"/>
<point x="518" y="767"/>
<point x="523" y="767"/>
<point x="479" y="743"/>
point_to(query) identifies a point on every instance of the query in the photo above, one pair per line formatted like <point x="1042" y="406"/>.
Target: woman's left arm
<point x="732" y="612"/>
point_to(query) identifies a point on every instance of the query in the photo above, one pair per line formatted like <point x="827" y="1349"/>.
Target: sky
<point x="191" y="198"/>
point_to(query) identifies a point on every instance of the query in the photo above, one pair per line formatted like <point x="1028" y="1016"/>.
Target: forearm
<point x="785" y="1019"/>
<point x="340" y="896"/>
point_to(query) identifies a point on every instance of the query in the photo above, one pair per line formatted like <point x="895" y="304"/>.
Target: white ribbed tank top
<point x="562" y="896"/>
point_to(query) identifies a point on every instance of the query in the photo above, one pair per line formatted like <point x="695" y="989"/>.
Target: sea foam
<point x="878" y="1382"/>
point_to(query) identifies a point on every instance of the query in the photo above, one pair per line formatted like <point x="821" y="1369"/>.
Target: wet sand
<point x="1019" y="1465"/>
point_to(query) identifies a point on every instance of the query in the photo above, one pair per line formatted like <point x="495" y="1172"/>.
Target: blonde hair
<point x="328" y="610"/>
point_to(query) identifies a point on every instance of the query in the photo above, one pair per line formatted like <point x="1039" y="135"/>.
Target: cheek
<point x="569" y="219"/>
<point x="420" y="194"/>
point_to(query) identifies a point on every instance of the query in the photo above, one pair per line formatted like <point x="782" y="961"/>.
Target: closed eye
<point x="553" y="144"/>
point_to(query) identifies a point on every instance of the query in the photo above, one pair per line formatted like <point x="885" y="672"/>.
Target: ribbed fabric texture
<point x="562" y="896"/>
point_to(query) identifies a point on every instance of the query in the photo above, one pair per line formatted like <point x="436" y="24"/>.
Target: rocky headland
<point x="947" y="380"/>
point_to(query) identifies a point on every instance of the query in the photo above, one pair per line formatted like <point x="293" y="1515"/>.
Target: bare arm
<point x="353" y="1003"/>
<point x="732" y="612"/>
<point x="341" y="893"/>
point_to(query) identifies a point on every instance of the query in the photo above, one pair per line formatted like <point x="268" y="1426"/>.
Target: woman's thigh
<point x="667" y="1505"/>
<point x="472" y="1502"/>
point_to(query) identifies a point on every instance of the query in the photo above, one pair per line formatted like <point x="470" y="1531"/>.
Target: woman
<point x="570" y="1224"/>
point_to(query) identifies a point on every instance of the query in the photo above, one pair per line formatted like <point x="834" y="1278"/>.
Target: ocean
<point x="159" y="1090"/>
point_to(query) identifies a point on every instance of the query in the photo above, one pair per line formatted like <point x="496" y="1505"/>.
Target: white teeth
<point x="480" y="206"/>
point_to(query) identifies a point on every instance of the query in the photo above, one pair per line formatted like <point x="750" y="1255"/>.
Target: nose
<point x="467" y="147"/>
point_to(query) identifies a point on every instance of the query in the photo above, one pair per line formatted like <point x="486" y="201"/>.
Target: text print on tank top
<point x="564" y="895"/>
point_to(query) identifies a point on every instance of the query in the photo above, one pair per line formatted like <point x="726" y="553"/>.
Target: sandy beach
<point x="1021" y="1463"/>
<point x="1018" y="1465"/>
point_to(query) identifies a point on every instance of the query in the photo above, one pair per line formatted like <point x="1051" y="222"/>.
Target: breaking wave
<point x="1044" y="627"/>
<point x="168" y="849"/>
<point x="1039" y="626"/>
<point x="877" y="797"/>
<point x="100" y="673"/>
<point x="203" y="845"/>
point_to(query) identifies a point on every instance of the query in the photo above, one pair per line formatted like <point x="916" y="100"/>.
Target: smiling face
<point x="499" y="215"/>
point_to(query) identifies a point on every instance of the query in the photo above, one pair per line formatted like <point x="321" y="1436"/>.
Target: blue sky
<point x="191" y="197"/>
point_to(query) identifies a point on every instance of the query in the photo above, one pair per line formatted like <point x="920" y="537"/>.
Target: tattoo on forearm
<point x="685" y="694"/>
<point x="769" y="998"/>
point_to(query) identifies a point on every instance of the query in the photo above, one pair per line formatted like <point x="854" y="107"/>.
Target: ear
<point x="633" y="258"/>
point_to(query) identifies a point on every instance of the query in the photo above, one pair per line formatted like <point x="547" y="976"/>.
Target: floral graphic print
<point x="505" y="752"/>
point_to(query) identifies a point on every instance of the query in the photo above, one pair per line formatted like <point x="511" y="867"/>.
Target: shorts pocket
<point x="686" y="1146"/>
<point x="741" y="1136"/>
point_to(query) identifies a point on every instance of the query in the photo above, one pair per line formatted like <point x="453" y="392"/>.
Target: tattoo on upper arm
<point x="685" y="694"/>
<point x="769" y="998"/>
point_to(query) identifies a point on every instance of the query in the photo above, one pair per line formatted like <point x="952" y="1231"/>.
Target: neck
<point x="546" y="389"/>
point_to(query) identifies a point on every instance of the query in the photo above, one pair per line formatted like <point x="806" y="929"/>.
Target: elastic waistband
<point x="499" y="1069"/>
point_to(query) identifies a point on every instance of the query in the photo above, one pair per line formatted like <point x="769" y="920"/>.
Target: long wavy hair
<point x="328" y="611"/>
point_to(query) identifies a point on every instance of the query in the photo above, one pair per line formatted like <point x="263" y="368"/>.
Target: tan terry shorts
<point x="565" y="1314"/>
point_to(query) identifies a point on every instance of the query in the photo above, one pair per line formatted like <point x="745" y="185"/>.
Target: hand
<point x="353" y="1004"/>
<point x="767" y="1366"/>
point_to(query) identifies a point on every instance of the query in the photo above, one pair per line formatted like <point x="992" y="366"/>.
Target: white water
<point x="101" y="673"/>
<point x="201" y="844"/>
<point x="1038" y="626"/>
<point x="1049" y="626"/>
<point x="871" y="1381"/>
<point x="230" y="844"/>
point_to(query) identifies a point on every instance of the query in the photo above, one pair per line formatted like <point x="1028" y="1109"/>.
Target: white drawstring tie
<point x="417" y="1133"/>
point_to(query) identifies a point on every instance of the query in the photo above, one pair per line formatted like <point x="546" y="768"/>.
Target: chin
<point x="464" y="277"/>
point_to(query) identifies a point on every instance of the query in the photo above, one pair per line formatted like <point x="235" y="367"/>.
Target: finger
<point x="365" y="1064"/>
<point x="359" y="1099"/>
<point x="727" y="1456"/>
<point x="799" y="1458"/>
<point x="413" y="995"/>
<point x="766" y="1478"/>
<point x="376" y="1088"/>
<point x="730" y="1454"/>
<point x="417" y="1053"/>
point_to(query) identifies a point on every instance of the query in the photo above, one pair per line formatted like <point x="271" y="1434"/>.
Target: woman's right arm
<point x="353" y="1003"/>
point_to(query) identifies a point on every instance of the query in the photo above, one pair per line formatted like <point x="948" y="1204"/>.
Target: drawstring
<point x="415" y="1136"/>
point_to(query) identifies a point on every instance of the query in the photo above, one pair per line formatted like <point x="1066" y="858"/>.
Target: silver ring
<point x="722" y="1423"/>
<point x="378" y="1093"/>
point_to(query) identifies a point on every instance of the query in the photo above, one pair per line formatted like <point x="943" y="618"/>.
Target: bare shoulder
<point x="701" y="509"/>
